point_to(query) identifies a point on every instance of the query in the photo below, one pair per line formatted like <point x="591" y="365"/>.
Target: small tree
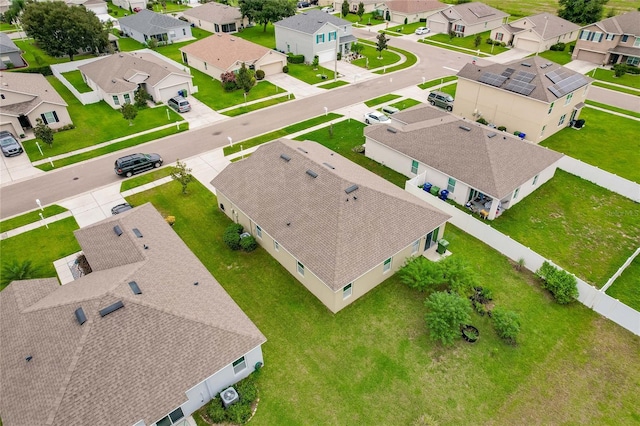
<point x="140" y="98"/>
<point x="129" y="112"/>
<point x="459" y="275"/>
<point x="182" y="174"/>
<point x="245" y="79"/>
<point x="345" y="8"/>
<point x="316" y="62"/>
<point x="381" y="44"/>
<point x="15" y="271"/>
<point x="447" y="312"/>
<point x="477" y="41"/>
<point x="228" y="80"/>
<point x="357" y="48"/>
<point x="360" y="11"/>
<point x="452" y="35"/>
<point x="506" y="324"/>
<point x="421" y="274"/>
<point x="43" y="132"/>
<point x="561" y="284"/>
<point x="152" y="43"/>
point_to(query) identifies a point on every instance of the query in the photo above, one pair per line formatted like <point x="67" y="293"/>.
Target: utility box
<point x="442" y="246"/>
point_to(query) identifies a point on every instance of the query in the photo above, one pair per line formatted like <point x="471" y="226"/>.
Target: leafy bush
<point x="247" y="390"/>
<point x="285" y="69"/>
<point x="458" y="274"/>
<point x="358" y="149"/>
<point x="228" y="80"/>
<point x="421" y="274"/>
<point x="558" y="47"/>
<point x="619" y="70"/>
<point x="295" y="59"/>
<point x="216" y="411"/>
<point x="447" y="312"/>
<point x="502" y="128"/>
<point x="239" y="413"/>
<point x="44" y="70"/>
<point x="236" y="227"/>
<point x="248" y="243"/>
<point x="506" y="324"/>
<point x="231" y="236"/>
<point x="259" y="74"/>
<point x="562" y="285"/>
<point x="489" y="40"/>
<point x="482" y="121"/>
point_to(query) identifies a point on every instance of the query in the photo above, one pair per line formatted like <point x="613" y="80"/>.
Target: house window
<point x="184" y="31"/>
<point x="127" y="98"/>
<point x="259" y="232"/>
<point x="637" y="42"/>
<point x="332" y="35"/>
<point x="632" y="60"/>
<point x="550" y="108"/>
<point x="458" y="28"/>
<point x="584" y="35"/>
<point x="451" y="185"/>
<point x="221" y="206"/>
<point x="624" y="38"/>
<point x="542" y="131"/>
<point x="276" y="246"/>
<point x="415" y="247"/>
<point x="172" y="418"/>
<point x="515" y="193"/>
<point x="216" y="28"/>
<point x="535" y="179"/>
<point x="228" y="28"/>
<point x="561" y="121"/>
<point x="596" y="36"/>
<point x="386" y="266"/>
<point x="239" y="365"/>
<point x="116" y="101"/>
<point x="499" y="36"/>
<point x="414" y="167"/>
<point x="346" y="291"/>
<point x="610" y="36"/>
<point x="319" y="38"/>
<point x="301" y="269"/>
<point x="49" y="117"/>
<point x="569" y="96"/>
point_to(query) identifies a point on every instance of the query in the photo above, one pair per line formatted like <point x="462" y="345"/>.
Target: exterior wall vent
<point x="465" y="128"/>
<point x="312" y="173"/>
<point x="117" y="230"/>
<point x="80" y="316"/>
<point x="111" y="308"/>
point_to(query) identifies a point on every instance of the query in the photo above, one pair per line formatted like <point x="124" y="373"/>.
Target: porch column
<point x="493" y="209"/>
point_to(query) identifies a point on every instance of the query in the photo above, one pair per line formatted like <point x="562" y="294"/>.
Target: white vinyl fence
<point x="59" y="69"/>
<point x="613" y="183"/>
<point x="588" y="295"/>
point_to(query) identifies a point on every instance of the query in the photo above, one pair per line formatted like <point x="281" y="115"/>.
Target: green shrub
<point x="482" y="121"/>
<point x="502" y="128"/>
<point x="558" y="47"/>
<point x="506" y="324"/>
<point x="247" y="390"/>
<point x="489" y="40"/>
<point x="259" y="74"/>
<point x="236" y="227"/>
<point x="216" y="411"/>
<point x="248" y="243"/>
<point x="562" y="285"/>
<point x="45" y="70"/>
<point x="239" y="413"/>
<point x="358" y="149"/>
<point x="632" y="70"/>
<point x="447" y="313"/>
<point x="421" y="274"/>
<point x="231" y="236"/>
<point x="295" y="59"/>
<point x="285" y="69"/>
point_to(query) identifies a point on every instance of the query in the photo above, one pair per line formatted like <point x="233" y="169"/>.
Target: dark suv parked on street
<point x="136" y="163"/>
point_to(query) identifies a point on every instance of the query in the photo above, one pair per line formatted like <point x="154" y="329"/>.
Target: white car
<point x="327" y="9"/>
<point x="375" y="117"/>
<point x="422" y="30"/>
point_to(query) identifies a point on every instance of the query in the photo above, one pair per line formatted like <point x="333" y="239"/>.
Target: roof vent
<point x="134" y="287"/>
<point x="117" y="230"/>
<point x="312" y="173"/>
<point x="113" y="81"/>
<point x="111" y="308"/>
<point x="350" y="189"/>
<point x="465" y="128"/>
<point x="285" y="157"/>
<point x="300" y="149"/>
<point x="491" y="135"/>
<point x="80" y="316"/>
<point x="391" y="130"/>
<point x="29" y="358"/>
<point x="526" y="64"/>
<point x="137" y="232"/>
<point x="329" y="166"/>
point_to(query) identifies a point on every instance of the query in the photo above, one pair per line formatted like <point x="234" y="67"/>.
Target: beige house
<point x="611" y="41"/>
<point x="27" y="97"/>
<point x="369" y="5"/>
<point x="409" y="11"/>
<point x="216" y="18"/>
<point x="536" y="33"/>
<point x="221" y="53"/>
<point x="466" y="19"/>
<point x="146" y="338"/>
<point x="336" y="227"/>
<point x="532" y="96"/>
<point x="117" y="77"/>
<point x="486" y="170"/>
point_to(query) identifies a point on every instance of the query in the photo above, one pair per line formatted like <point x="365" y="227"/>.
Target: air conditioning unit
<point x="229" y="396"/>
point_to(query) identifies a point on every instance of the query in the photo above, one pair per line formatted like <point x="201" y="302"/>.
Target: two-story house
<point x="536" y="33"/>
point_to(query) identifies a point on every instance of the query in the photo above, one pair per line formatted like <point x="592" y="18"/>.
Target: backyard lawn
<point x="626" y="288"/>
<point x="578" y="225"/>
<point x="467" y="43"/>
<point x="607" y="141"/>
<point x="76" y="80"/>
<point x="37" y="57"/>
<point x="393" y="367"/>
<point x="257" y="35"/>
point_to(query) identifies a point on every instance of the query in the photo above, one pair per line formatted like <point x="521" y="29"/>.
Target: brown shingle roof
<point x="495" y="165"/>
<point x="223" y="50"/>
<point x="337" y="236"/>
<point x="548" y="26"/>
<point x="135" y="363"/>
<point x="215" y="12"/>
<point x="34" y="85"/>
<point x="473" y="13"/>
<point x="414" y="6"/>
<point x="627" y="23"/>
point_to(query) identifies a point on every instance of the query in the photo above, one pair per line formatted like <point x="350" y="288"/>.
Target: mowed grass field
<point x="519" y="8"/>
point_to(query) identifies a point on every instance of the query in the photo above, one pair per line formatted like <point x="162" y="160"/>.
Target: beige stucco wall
<point x="593" y="51"/>
<point x="10" y="124"/>
<point x="61" y="112"/>
<point x="200" y="65"/>
<point x="514" y="111"/>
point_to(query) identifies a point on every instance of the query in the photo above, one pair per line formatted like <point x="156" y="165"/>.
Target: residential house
<point x="314" y="33"/>
<point x="536" y="33"/>
<point x="611" y="41"/>
<point x="222" y="53"/>
<point x="466" y="19"/>
<point x="487" y="170"/>
<point x="27" y="97"/>
<point x="369" y="5"/>
<point x="146" y="25"/>
<point x="117" y="77"/>
<point x="216" y="17"/>
<point x="335" y="226"/>
<point x="10" y="54"/>
<point x="146" y="338"/>
<point x="99" y="7"/>
<point x="131" y="5"/>
<point x="533" y="96"/>
<point x="409" y="11"/>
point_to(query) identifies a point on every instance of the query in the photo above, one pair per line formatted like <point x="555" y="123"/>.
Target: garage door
<point x="526" y="44"/>
<point x="593" y="57"/>
<point x="437" y="27"/>
<point x="169" y="92"/>
<point x="271" y="69"/>
<point x="326" y="56"/>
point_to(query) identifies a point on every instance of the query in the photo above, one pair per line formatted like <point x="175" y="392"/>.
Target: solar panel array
<point x="508" y="72"/>
<point x="492" y="79"/>
<point x="520" y="87"/>
<point x="558" y="75"/>
<point x="568" y="85"/>
<point x="527" y="77"/>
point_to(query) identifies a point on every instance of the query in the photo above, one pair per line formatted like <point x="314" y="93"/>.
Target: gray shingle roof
<point x="627" y="23"/>
<point x="538" y="67"/>
<point x="548" y="25"/>
<point x="337" y="236"/>
<point x="35" y="86"/>
<point x="151" y="23"/>
<point x="311" y="21"/>
<point x="214" y="12"/>
<point x="135" y="363"/>
<point x="7" y="45"/>
<point x="494" y="165"/>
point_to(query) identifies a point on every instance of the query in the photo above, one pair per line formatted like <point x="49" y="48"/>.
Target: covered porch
<point x="485" y="206"/>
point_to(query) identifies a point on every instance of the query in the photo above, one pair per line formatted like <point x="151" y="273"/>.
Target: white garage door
<point x="437" y="27"/>
<point x="169" y="92"/>
<point x="527" y="44"/>
<point x="271" y="69"/>
<point x="326" y="56"/>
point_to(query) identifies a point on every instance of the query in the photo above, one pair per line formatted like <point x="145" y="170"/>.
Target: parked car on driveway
<point x="10" y="145"/>
<point x="302" y="4"/>
<point x="422" y="30"/>
<point x="136" y="163"/>
<point x="375" y="117"/>
<point x="327" y="9"/>
<point x="441" y="99"/>
<point x="179" y="103"/>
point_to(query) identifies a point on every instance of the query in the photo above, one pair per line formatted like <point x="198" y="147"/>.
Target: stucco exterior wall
<point x="298" y="43"/>
<point x="593" y="51"/>
<point x="206" y="68"/>
<point x="11" y="124"/>
<point x="61" y="112"/>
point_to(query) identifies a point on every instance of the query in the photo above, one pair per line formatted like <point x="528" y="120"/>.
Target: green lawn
<point x="621" y="89"/>
<point x="468" y="43"/>
<point x="560" y="58"/>
<point x="372" y="58"/>
<point x="37" y="57"/>
<point x="127" y="44"/>
<point x="405" y="103"/>
<point x="437" y="81"/>
<point x="258" y="105"/>
<point x="578" y="225"/>
<point x="145" y="178"/>
<point x="626" y="288"/>
<point x="41" y="246"/>
<point x="612" y="108"/>
<point x="309" y="74"/>
<point x="404" y="29"/>
<point x="521" y="8"/>
<point x="450" y="89"/>
<point x="629" y="80"/>
<point x="383" y="335"/>
<point x="366" y="18"/>
<point x="602" y="135"/>
<point x="333" y="84"/>
<point x="31" y="217"/>
<point x="7" y="28"/>
<point x="76" y="80"/>
<point x="410" y="60"/>
<point x="381" y="100"/>
<point x="259" y="36"/>
<point x="172" y="51"/>
<point x="95" y="123"/>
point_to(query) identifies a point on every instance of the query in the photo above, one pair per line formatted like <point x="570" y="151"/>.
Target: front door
<point x="573" y="115"/>
<point x="431" y="239"/>
<point x="24" y="122"/>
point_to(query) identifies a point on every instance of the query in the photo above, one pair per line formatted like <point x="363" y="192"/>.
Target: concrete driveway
<point x="582" y="67"/>
<point x="16" y="168"/>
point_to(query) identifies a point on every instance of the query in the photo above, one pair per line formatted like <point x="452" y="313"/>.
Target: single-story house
<point x="409" y="11"/>
<point x="146" y="25"/>
<point x="533" y="96"/>
<point x="216" y="17"/>
<point x="369" y="5"/>
<point x="131" y="4"/>
<point x="466" y="19"/>
<point x="614" y="40"/>
<point x="10" y="54"/>
<point x="146" y="338"/>
<point x="27" y="97"/>
<point x="336" y="227"/>
<point x="99" y="7"/>
<point x="479" y="166"/>
<point x="117" y="77"/>
<point x="221" y="53"/>
<point x="314" y="33"/>
<point x="536" y="33"/>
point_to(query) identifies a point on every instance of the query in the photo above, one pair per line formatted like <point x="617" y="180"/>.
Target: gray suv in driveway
<point x="441" y="99"/>
<point x="10" y="146"/>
